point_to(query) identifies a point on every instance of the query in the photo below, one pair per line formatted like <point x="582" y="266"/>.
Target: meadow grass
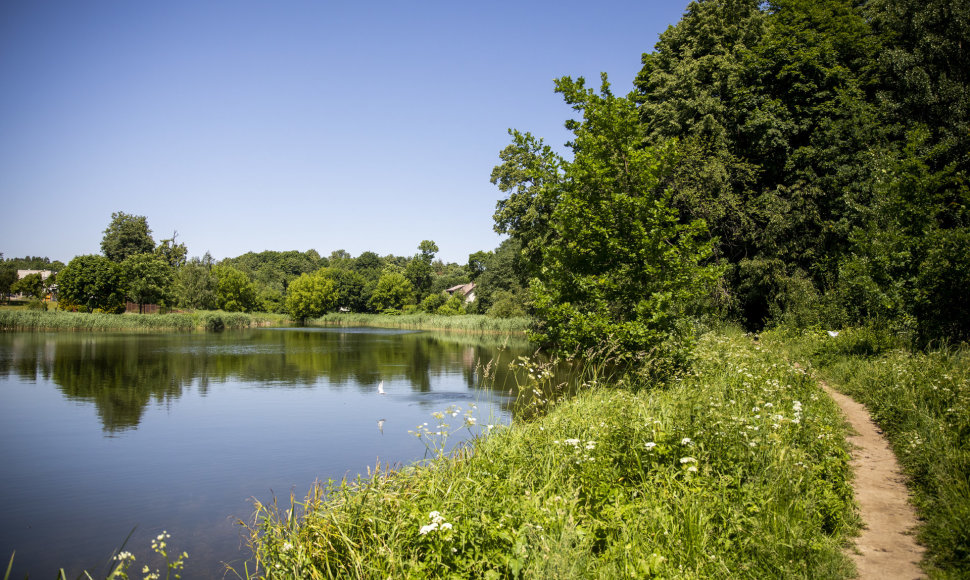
<point x="921" y="400"/>
<point x="421" y="321"/>
<point x="83" y="321"/>
<point x="737" y="470"/>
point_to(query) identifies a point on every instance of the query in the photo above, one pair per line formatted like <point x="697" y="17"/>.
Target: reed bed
<point x="737" y="470"/>
<point x="82" y="321"/>
<point x="921" y="400"/>
<point x="466" y="322"/>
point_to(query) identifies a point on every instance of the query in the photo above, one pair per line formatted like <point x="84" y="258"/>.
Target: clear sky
<point x="287" y="125"/>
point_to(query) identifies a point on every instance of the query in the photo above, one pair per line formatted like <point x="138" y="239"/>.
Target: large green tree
<point x="91" y="283"/>
<point x="196" y="285"/>
<point x="31" y="285"/>
<point x="392" y="293"/>
<point x="620" y="270"/>
<point x="126" y="235"/>
<point x="419" y="270"/>
<point x="235" y="292"/>
<point x="148" y="279"/>
<point x="311" y="296"/>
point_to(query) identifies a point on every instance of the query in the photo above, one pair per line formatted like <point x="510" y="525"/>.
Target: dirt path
<point x="886" y="550"/>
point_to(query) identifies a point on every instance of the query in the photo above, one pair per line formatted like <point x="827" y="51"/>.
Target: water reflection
<point x="121" y="375"/>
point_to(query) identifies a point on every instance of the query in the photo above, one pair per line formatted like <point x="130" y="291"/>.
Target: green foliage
<point x="454" y="306"/>
<point x="311" y="296"/>
<point x="618" y="266"/>
<point x="432" y="302"/>
<point x="100" y="321"/>
<point x="393" y="292"/>
<point x="196" y="285"/>
<point x="234" y="291"/>
<point x="741" y="471"/>
<point x="351" y="287"/>
<point x="31" y="285"/>
<point x="90" y="283"/>
<point x="531" y="175"/>
<point x="8" y="276"/>
<point x="173" y="254"/>
<point x="922" y="402"/>
<point x="147" y="279"/>
<point x="126" y="235"/>
<point x="419" y="269"/>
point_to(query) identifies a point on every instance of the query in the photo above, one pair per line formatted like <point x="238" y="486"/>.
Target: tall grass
<point x="739" y="470"/>
<point x="60" y="320"/>
<point x="921" y="400"/>
<point x="421" y="321"/>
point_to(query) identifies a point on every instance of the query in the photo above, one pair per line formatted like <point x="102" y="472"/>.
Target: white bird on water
<point x="380" y="388"/>
<point x="380" y="425"/>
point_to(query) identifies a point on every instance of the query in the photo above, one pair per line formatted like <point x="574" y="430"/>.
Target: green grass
<point x="13" y="319"/>
<point x="465" y="322"/>
<point x="921" y="400"/>
<point x="739" y="470"/>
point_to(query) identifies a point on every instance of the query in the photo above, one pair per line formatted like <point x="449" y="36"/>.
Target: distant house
<point x="44" y="274"/>
<point x="467" y="289"/>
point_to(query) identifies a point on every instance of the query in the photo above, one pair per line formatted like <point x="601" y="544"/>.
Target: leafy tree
<point x="505" y="273"/>
<point x="234" y="290"/>
<point x="196" y="285"/>
<point x="147" y="279"/>
<point x="91" y="283"/>
<point x="368" y="264"/>
<point x="31" y="285"/>
<point x="311" y="296"/>
<point x="771" y="102"/>
<point x="126" y="235"/>
<point x="8" y="276"/>
<point x="477" y="263"/>
<point x="531" y="175"/>
<point x="351" y="288"/>
<point x="618" y="266"/>
<point x="174" y="254"/>
<point x="453" y="306"/>
<point x="432" y="302"/>
<point x="419" y="270"/>
<point x="393" y="292"/>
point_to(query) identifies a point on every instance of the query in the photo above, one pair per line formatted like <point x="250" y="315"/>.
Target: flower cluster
<point x="437" y="523"/>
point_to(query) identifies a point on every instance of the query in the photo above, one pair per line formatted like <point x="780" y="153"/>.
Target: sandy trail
<point x="887" y="548"/>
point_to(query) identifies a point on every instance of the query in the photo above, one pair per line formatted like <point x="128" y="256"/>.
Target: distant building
<point x="467" y="289"/>
<point x="44" y="274"/>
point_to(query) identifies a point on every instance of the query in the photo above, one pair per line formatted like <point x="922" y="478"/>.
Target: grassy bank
<point x="737" y="471"/>
<point x="922" y="403"/>
<point x="466" y="322"/>
<point x="60" y="320"/>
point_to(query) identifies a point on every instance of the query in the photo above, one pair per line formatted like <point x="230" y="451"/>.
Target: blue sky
<point x="287" y="125"/>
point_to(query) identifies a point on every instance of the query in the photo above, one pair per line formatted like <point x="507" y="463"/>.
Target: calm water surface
<point x="104" y="433"/>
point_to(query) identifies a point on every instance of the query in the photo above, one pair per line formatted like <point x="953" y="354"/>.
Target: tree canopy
<point x="126" y="235"/>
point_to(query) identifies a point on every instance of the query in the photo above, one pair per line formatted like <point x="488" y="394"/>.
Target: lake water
<point x="104" y="433"/>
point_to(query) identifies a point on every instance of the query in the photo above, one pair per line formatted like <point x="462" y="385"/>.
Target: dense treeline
<point x="814" y="156"/>
<point x="303" y="285"/>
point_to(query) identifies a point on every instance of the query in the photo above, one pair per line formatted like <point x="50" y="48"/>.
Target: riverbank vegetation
<point x="737" y="470"/>
<point x="790" y="163"/>
<point x="20" y="319"/>
<point x="422" y="321"/>
<point x="922" y="402"/>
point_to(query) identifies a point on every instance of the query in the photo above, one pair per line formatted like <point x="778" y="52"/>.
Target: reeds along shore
<point x="82" y="321"/>
<point x="421" y="321"/>
<point x="20" y="319"/>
